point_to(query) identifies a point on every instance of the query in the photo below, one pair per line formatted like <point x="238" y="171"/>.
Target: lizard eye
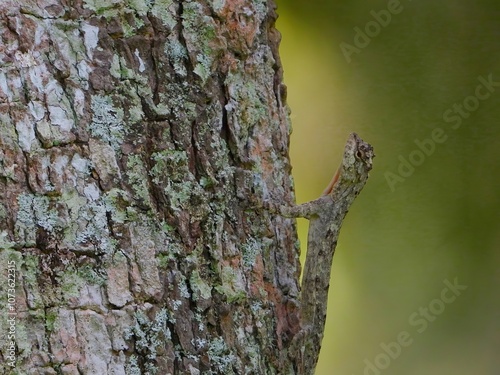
<point x="359" y="154"/>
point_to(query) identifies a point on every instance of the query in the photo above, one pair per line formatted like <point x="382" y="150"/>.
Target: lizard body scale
<point x="325" y="216"/>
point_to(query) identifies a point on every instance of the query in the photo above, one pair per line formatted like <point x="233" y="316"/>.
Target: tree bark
<point x="137" y="140"/>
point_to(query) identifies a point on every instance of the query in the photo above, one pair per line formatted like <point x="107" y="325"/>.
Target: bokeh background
<point x="403" y="238"/>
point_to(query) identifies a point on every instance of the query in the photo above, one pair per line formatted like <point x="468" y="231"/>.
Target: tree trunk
<point x="137" y="141"/>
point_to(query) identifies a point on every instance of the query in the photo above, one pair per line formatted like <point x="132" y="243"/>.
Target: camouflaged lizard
<point x="325" y="216"/>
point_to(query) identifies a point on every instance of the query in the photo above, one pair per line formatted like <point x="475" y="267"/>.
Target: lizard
<point x="325" y="216"/>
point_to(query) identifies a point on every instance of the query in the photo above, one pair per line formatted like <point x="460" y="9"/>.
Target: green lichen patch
<point x="201" y="38"/>
<point x="177" y="54"/>
<point x="218" y="4"/>
<point x="95" y="230"/>
<point x="91" y="275"/>
<point x="5" y="243"/>
<point x="119" y="70"/>
<point x="138" y="178"/>
<point x="73" y="279"/>
<point x="30" y="273"/>
<point x="252" y="349"/>
<point x="171" y="171"/>
<point x="132" y="367"/>
<point x="171" y="164"/>
<point x="149" y="336"/>
<point x="260" y="7"/>
<point x="34" y="211"/>
<point x="73" y="203"/>
<point x="179" y="194"/>
<point x="200" y="288"/>
<point x="165" y="11"/>
<point x="163" y="260"/>
<point x="130" y="12"/>
<point x="202" y="68"/>
<point x="140" y="6"/>
<point x="51" y="321"/>
<point x="221" y="357"/>
<point x="246" y="100"/>
<point x="118" y="202"/>
<point x="107" y="121"/>
<point x="3" y="212"/>
<point x="102" y="7"/>
<point x="232" y="285"/>
<point x="173" y="247"/>
<point x="250" y="249"/>
<point x="70" y="285"/>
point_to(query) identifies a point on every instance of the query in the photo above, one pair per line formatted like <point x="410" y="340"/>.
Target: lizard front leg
<point x="306" y="210"/>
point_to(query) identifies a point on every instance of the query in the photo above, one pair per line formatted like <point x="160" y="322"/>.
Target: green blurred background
<point x="402" y="240"/>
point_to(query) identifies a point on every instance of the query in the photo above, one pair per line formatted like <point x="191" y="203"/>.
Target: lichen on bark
<point x="136" y="138"/>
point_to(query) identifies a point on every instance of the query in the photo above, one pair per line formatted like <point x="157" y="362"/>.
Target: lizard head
<point x="356" y="163"/>
<point x="357" y="160"/>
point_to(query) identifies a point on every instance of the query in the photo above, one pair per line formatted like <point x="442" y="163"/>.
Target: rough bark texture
<point x="134" y="138"/>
